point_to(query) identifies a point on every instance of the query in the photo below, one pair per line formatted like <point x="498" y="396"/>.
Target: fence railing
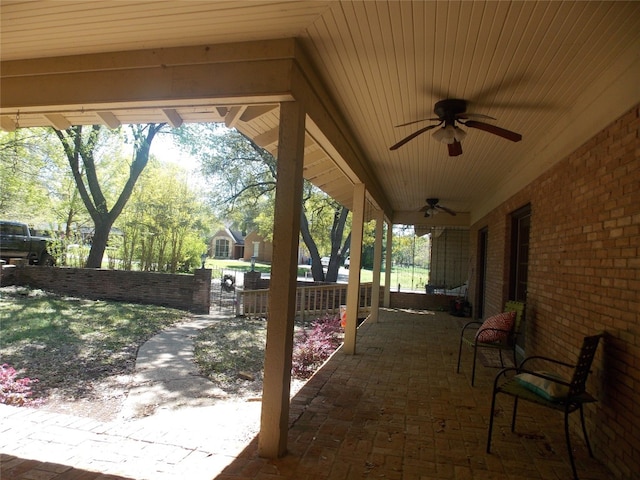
<point x="315" y="300"/>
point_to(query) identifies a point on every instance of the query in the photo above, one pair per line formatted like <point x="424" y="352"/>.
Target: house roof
<point x="234" y="235"/>
<point x="556" y="72"/>
<point x="237" y="236"/>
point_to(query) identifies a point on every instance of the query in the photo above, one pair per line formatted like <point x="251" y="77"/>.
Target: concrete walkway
<point x="166" y="376"/>
<point x="175" y="424"/>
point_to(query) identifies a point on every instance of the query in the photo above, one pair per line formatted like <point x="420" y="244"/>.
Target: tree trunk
<point x="337" y="254"/>
<point x="316" y="266"/>
<point x="78" y="147"/>
<point x="98" y="244"/>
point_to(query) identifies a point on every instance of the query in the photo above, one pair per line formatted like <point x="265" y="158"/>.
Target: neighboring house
<point x="262" y="249"/>
<point x="227" y="243"/>
<point x="256" y="246"/>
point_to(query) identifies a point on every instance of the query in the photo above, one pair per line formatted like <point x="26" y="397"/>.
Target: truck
<point x="17" y="241"/>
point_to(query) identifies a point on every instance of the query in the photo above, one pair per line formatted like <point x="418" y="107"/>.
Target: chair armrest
<point x="471" y="324"/>
<point x="508" y="340"/>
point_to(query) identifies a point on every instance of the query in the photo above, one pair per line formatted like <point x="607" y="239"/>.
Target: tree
<point x="243" y="180"/>
<point x="81" y="148"/>
<point x="163" y="224"/>
<point x="25" y="193"/>
<point x="326" y="215"/>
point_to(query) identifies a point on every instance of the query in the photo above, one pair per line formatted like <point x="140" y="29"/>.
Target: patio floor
<point x="395" y="410"/>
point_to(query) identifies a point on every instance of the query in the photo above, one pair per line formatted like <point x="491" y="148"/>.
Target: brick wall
<point x="7" y="275"/>
<point x="584" y="276"/>
<point x="419" y="301"/>
<point x="187" y="292"/>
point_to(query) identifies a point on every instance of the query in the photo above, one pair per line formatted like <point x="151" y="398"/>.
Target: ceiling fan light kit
<point x="450" y="111"/>
<point x="449" y="134"/>
<point x="432" y="207"/>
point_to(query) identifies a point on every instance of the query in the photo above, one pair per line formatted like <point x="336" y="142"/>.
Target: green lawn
<point x="66" y="343"/>
<point x="405" y="276"/>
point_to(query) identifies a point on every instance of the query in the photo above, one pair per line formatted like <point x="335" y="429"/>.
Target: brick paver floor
<point x="395" y="410"/>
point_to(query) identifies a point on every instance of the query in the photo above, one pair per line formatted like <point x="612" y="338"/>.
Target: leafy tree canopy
<point x="242" y="179"/>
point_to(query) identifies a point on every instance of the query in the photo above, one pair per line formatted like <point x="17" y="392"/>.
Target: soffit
<point x="544" y="69"/>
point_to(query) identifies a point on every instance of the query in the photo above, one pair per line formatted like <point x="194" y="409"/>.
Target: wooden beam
<point x="241" y="82"/>
<point x="58" y="121"/>
<point x="172" y="116"/>
<point x="7" y="123"/>
<point x="254" y="111"/>
<point x="109" y="119"/>
<point x="233" y="115"/>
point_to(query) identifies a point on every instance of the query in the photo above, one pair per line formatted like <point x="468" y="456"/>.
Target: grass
<point x="405" y="276"/>
<point x="231" y="354"/>
<point x="67" y="343"/>
<point x="408" y="277"/>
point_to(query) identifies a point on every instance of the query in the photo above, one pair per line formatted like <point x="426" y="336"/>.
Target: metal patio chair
<point x="469" y="337"/>
<point x="549" y="390"/>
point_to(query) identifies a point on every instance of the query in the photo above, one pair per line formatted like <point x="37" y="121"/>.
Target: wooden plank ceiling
<point x="543" y="69"/>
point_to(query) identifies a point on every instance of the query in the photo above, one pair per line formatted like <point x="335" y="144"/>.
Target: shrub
<point x="312" y="348"/>
<point x="14" y="391"/>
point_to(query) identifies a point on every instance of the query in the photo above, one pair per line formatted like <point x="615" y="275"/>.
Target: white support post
<point x="377" y="266"/>
<point x="355" y="252"/>
<point x="387" y="268"/>
<point x="274" y="421"/>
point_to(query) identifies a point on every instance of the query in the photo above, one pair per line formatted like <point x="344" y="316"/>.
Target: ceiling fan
<point x="432" y="207"/>
<point x="450" y="111"/>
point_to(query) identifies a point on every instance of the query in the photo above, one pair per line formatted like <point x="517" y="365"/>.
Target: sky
<point x="164" y="150"/>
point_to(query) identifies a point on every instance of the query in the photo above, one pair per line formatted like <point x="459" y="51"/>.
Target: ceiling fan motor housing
<point x="449" y="108"/>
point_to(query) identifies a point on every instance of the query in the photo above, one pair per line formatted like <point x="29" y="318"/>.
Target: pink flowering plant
<point x="13" y="390"/>
<point x="312" y="347"/>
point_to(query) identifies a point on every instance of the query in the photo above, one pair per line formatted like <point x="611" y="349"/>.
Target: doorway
<point x="483" y="242"/>
<point x="519" y="263"/>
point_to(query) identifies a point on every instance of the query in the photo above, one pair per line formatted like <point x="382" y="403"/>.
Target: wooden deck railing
<point x="315" y="300"/>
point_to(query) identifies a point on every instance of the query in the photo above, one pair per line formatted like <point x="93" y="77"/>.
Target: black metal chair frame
<point x="508" y="344"/>
<point x="575" y="399"/>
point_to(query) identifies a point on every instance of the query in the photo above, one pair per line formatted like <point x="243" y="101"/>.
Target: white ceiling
<point x="556" y="72"/>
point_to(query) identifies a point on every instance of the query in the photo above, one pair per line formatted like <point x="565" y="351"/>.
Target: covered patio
<point x="328" y="87"/>
<point x="396" y="410"/>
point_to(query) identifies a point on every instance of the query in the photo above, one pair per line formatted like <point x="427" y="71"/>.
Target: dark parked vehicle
<point x="16" y="241"/>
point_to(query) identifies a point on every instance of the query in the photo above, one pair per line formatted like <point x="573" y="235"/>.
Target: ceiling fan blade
<point x="421" y="120"/>
<point x="455" y="149"/>
<point x="411" y="137"/>
<point x="474" y="115"/>
<point x="445" y="209"/>
<point x="501" y="132"/>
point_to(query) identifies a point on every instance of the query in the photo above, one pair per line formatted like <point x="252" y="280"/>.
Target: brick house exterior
<point x="227" y="244"/>
<point x="583" y="275"/>
<point x="257" y="246"/>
